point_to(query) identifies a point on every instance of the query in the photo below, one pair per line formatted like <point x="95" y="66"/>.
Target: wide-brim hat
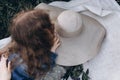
<point x="75" y="50"/>
<point x="81" y="37"/>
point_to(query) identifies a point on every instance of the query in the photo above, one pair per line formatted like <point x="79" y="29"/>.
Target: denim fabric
<point x="19" y="72"/>
<point x="53" y="58"/>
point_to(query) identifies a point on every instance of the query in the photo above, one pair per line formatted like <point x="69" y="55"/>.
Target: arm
<point x="56" y="44"/>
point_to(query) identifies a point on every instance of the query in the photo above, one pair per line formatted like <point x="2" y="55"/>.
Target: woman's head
<point x="33" y="34"/>
<point x="33" y="29"/>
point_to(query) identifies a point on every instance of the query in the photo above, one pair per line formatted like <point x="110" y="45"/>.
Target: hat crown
<point x="70" y="23"/>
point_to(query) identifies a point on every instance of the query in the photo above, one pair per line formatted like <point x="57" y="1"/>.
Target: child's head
<point x="33" y="29"/>
<point x="33" y="34"/>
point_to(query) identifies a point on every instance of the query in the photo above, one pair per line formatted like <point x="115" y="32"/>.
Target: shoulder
<point x="19" y="68"/>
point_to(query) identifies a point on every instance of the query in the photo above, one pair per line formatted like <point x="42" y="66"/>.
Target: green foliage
<point x="8" y="8"/>
<point x="76" y="73"/>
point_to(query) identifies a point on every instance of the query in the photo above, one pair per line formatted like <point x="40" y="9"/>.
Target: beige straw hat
<point x="81" y="37"/>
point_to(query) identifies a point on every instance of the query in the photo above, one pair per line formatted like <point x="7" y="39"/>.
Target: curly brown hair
<point x="33" y="35"/>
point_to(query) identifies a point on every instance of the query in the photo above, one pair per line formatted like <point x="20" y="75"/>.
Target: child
<point x="33" y="47"/>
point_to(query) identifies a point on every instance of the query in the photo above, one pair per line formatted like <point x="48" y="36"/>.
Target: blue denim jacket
<point x="19" y="71"/>
<point x="19" y="74"/>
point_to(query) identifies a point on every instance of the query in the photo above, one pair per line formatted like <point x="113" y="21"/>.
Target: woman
<point x="34" y="42"/>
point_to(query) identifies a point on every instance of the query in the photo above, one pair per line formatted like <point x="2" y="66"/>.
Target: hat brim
<point x="52" y="10"/>
<point x="81" y="48"/>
